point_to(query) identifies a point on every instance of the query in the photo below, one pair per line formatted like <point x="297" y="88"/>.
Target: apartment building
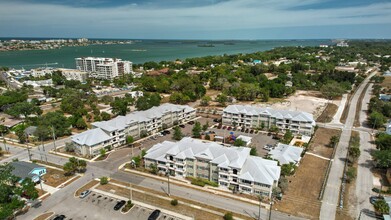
<point x="72" y="74"/>
<point x="257" y="117"/>
<point x="104" y="68"/>
<point x="231" y="167"/>
<point x="112" y="133"/>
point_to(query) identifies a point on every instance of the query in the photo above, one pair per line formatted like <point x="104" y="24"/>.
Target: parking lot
<point x="99" y="206"/>
<point x="259" y="139"/>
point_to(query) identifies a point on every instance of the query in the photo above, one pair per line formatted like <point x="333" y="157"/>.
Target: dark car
<point x="190" y="122"/>
<point x="251" y="131"/>
<point x="234" y="129"/>
<point x="59" y="217"/>
<point x="167" y="132"/>
<point x="247" y="130"/>
<point x="182" y="126"/>
<point x="216" y="120"/>
<point x="224" y="127"/>
<point x="374" y="199"/>
<point x="154" y="215"/>
<point x="229" y="128"/>
<point x="119" y="205"/>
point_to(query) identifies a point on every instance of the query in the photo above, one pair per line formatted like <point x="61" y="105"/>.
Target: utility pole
<point x="54" y="139"/>
<point x="259" y="211"/>
<point x="168" y="177"/>
<point x="130" y="192"/>
<point x="28" y="151"/>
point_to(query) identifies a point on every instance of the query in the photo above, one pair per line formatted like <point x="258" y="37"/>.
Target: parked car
<point x="234" y="129"/>
<point x="119" y="205"/>
<point x="84" y="193"/>
<point x="190" y="122"/>
<point x="251" y="131"/>
<point x="268" y="147"/>
<point x="242" y="130"/>
<point x="154" y="215"/>
<point x="224" y="127"/>
<point x="247" y="130"/>
<point x="160" y="134"/>
<point x="216" y="120"/>
<point x="374" y="199"/>
<point x="59" y="217"/>
<point x="229" y="128"/>
<point x="182" y="125"/>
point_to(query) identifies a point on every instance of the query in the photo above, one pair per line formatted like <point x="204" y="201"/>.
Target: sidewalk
<point x="212" y="191"/>
<point x="142" y="204"/>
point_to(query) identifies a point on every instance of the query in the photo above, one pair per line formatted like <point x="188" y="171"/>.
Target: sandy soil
<point x="307" y="101"/>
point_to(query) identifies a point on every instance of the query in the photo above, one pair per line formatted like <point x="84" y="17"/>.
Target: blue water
<point x="143" y="51"/>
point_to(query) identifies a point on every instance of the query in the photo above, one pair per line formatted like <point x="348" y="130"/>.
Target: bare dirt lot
<point x="301" y="198"/>
<point x="387" y="82"/>
<point x="320" y="141"/>
<point x="328" y="113"/>
<point x="55" y="177"/>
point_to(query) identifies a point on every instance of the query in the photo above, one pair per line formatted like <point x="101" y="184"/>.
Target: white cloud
<point x="229" y="15"/>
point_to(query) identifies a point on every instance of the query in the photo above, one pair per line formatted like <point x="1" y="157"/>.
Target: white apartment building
<point x="40" y="72"/>
<point x="112" y="133"/>
<point x="256" y="117"/>
<point x="231" y="167"/>
<point x="104" y="68"/>
<point x="72" y="74"/>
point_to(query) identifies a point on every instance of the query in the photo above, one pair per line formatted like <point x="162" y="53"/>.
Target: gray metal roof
<point x="91" y="137"/>
<point x="23" y="169"/>
<point x="276" y="113"/>
<point x="121" y="122"/>
<point x="286" y="154"/>
<point x="251" y="168"/>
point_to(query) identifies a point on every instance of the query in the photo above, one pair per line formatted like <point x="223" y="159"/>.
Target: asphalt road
<point x="330" y="200"/>
<point x="364" y="180"/>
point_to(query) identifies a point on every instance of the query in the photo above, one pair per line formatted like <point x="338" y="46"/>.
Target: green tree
<point x="228" y="216"/>
<point x="23" y="108"/>
<point x="288" y="169"/>
<point x="148" y="101"/>
<point x="239" y="142"/>
<point x="287" y="137"/>
<point x="253" y="151"/>
<point x="383" y="141"/>
<point x="205" y="100"/>
<point x="334" y="141"/>
<point x="136" y="161"/>
<point x="153" y="168"/>
<point x="205" y="126"/>
<point x="197" y="129"/>
<point x="376" y="119"/>
<point x="129" y="139"/>
<point x="382" y="158"/>
<point x="177" y="133"/>
<point x="222" y="99"/>
<point x="354" y="153"/>
<point x="382" y="207"/>
<point x="105" y="116"/>
<point x="102" y="152"/>
<point x="332" y="90"/>
<point x="120" y="106"/>
<point x="81" y="124"/>
<point x="69" y="168"/>
<point x="10" y="191"/>
<point x="104" y="180"/>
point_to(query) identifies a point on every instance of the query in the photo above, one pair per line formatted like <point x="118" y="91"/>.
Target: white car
<point x="84" y="194"/>
<point x="268" y="147"/>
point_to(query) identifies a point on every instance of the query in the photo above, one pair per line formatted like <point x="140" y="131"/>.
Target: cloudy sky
<point x="196" y="19"/>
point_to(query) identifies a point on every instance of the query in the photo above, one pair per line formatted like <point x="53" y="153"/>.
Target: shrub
<point x="174" y="202"/>
<point x="228" y="216"/>
<point x="104" y="180"/>
<point x="202" y="182"/>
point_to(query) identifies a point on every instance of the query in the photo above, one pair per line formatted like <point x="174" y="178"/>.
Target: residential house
<point x="25" y="170"/>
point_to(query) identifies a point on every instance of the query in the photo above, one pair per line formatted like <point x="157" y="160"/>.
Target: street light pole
<point x="54" y="139"/>
<point x="168" y="177"/>
<point x="259" y="211"/>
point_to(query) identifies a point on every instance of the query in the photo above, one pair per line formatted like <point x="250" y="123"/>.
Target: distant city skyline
<point x="201" y="19"/>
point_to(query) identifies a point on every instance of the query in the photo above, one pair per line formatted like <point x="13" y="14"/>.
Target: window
<point x="262" y="185"/>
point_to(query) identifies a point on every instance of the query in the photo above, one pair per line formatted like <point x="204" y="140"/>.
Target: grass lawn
<point x="44" y="216"/>
<point x="54" y="177"/>
<point x="320" y="141"/>
<point x="328" y="114"/>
